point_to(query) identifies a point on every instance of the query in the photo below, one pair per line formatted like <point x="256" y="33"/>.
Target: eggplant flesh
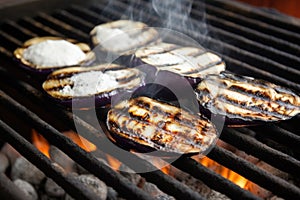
<point x="123" y="36"/>
<point x="191" y="62"/>
<point x="153" y="125"/>
<point x="245" y="100"/>
<point x="19" y="54"/>
<point x="101" y="81"/>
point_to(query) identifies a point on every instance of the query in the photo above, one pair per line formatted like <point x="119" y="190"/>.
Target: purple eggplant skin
<point x="43" y="72"/>
<point x="150" y="70"/>
<point x="78" y="103"/>
<point x="153" y="71"/>
<point x="130" y="145"/>
<point x="35" y="72"/>
<point x="189" y="62"/>
<point x="168" y="84"/>
<point x="101" y="99"/>
<point x="264" y="102"/>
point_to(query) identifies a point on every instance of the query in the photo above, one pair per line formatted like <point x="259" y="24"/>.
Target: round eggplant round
<point x="123" y="37"/>
<point x="86" y="87"/>
<point x="35" y="60"/>
<point x="143" y="124"/>
<point x="246" y="101"/>
<point x="193" y="63"/>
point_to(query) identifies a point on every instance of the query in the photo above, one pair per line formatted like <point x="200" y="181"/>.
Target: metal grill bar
<point x="253" y="147"/>
<point x="280" y="135"/>
<point x="213" y="180"/>
<point x="38" y="28"/>
<point x="259" y="15"/>
<point x="250" y="171"/>
<point x="239" y="67"/>
<point x="17" y="31"/>
<point x="291" y="125"/>
<point x="253" y="46"/>
<point x="5" y="52"/>
<point x="60" y="26"/>
<point x="251" y="34"/>
<point x="239" y="18"/>
<point x="77" y="22"/>
<point x="86" y="14"/>
<point x="9" y="41"/>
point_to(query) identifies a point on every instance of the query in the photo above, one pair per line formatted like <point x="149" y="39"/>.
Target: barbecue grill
<point x="252" y="42"/>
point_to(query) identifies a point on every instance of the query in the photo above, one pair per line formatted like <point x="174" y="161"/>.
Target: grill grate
<point x="112" y="178"/>
<point x="251" y="42"/>
<point x="177" y="189"/>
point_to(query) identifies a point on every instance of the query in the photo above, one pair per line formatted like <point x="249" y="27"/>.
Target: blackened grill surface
<point x="251" y="41"/>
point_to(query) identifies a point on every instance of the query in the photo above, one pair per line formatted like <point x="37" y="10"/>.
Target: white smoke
<point x="176" y="15"/>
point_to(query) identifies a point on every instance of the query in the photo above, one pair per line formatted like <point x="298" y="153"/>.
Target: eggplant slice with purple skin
<point x="245" y="100"/>
<point x="75" y="86"/>
<point x="123" y="36"/>
<point x="84" y="52"/>
<point x="143" y="124"/>
<point x="191" y="62"/>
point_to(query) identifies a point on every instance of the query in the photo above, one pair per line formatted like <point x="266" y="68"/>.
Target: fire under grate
<point x="252" y="42"/>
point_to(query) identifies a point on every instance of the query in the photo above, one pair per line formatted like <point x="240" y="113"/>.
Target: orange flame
<point x="223" y="171"/>
<point x="43" y="146"/>
<point x="40" y="143"/>
<point x="162" y="165"/>
<point x="113" y="162"/>
<point x="166" y="169"/>
<point x="80" y="141"/>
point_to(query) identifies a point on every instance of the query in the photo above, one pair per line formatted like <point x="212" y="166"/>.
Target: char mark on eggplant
<point x="101" y="80"/>
<point x="246" y="99"/>
<point x="123" y="36"/>
<point x="191" y="62"/>
<point x="160" y="126"/>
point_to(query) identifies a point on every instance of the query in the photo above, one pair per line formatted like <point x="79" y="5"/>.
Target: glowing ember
<point x="40" y="143"/>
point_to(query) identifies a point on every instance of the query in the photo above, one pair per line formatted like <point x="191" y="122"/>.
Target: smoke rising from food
<point x="171" y="14"/>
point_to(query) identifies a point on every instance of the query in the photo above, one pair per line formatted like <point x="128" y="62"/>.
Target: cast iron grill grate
<point x="251" y="41"/>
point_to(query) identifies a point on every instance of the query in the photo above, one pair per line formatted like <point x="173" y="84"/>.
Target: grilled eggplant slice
<point x="190" y="62"/>
<point x="123" y="36"/>
<point x="144" y="124"/>
<point x="245" y="100"/>
<point x="33" y="59"/>
<point x="77" y="84"/>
